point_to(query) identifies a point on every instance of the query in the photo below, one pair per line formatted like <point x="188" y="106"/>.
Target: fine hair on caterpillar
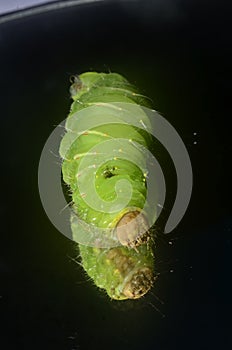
<point x="149" y="299"/>
<point x="113" y="187"/>
<point x="126" y="269"/>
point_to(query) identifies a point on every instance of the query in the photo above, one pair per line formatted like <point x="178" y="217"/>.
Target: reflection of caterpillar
<point x="126" y="270"/>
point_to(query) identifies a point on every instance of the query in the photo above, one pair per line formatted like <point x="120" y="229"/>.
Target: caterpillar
<point x="104" y="165"/>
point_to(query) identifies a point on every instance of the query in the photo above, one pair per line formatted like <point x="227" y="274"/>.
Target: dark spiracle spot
<point x="107" y="173"/>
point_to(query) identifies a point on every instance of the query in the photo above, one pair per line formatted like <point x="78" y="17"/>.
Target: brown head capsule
<point x="132" y="229"/>
<point x="139" y="284"/>
<point x="132" y="272"/>
<point x="76" y="86"/>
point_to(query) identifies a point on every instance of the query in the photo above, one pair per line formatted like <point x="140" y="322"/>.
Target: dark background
<point x="176" y="52"/>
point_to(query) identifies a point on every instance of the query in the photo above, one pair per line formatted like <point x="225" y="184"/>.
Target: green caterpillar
<point x="105" y="168"/>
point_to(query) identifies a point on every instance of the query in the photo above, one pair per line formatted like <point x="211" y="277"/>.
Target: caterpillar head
<point x="139" y="283"/>
<point x="84" y="82"/>
<point x="76" y="86"/>
<point x="134" y="277"/>
<point x="132" y="229"/>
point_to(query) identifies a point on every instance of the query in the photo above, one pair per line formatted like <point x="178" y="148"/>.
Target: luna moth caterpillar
<point x="93" y="167"/>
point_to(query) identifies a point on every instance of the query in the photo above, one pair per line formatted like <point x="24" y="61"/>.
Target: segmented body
<point x="124" y="271"/>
